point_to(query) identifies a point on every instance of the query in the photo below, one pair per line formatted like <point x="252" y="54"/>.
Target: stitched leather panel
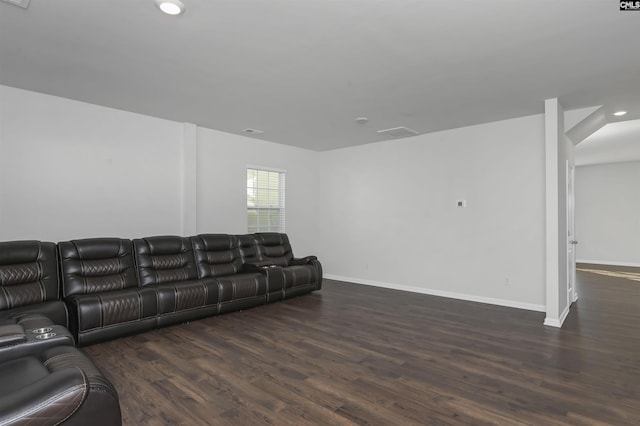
<point x="241" y="286"/>
<point x="215" y="242"/>
<point x="223" y="262"/>
<point x="274" y="247"/>
<point x="19" y="274"/>
<point x="25" y="262"/>
<point x="221" y="256"/>
<point x="190" y="296"/>
<point x="224" y="269"/>
<point x="271" y="238"/>
<point x="168" y="261"/>
<point x="104" y="283"/>
<point x="120" y="308"/>
<point x="248" y="247"/>
<point x="216" y="255"/>
<point x="245" y="286"/>
<point x="273" y="251"/>
<point x="96" y="267"/>
<point x="171" y="276"/>
<point x="24" y="294"/>
<point x="298" y="275"/>
<point x="164" y="259"/>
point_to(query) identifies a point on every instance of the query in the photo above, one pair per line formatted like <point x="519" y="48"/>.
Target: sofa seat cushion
<point x="102" y="316"/>
<point x="292" y="281"/>
<point x="113" y="307"/>
<point x="242" y="291"/>
<point x="185" y="295"/>
<point x="241" y="286"/>
<point x="296" y="276"/>
<point x="15" y="373"/>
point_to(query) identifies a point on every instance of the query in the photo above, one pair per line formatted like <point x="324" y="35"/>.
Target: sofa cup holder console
<point x="45" y="336"/>
<point x="53" y="334"/>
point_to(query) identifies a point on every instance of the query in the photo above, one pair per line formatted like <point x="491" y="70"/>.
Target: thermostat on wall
<point x="461" y="203"/>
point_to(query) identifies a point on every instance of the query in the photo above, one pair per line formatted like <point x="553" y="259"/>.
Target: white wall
<point x="608" y="213"/>
<point x="388" y="213"/>
<point x="222" y="192"/>
<point x="383" y="213"/>
<point x="70" y="169"/>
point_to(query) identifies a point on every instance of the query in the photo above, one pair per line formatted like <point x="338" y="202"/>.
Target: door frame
<point x="572" y="292"/>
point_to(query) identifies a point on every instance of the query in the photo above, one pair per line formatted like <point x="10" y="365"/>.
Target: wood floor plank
<point x="358" y="355"/>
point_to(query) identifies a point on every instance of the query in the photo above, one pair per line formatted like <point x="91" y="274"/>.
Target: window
<point x="265" y="200"/>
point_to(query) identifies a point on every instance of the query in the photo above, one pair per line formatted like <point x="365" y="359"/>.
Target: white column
<point x="555" y="213"/>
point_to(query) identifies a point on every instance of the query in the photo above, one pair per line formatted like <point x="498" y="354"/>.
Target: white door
<point x="571" y="237"/>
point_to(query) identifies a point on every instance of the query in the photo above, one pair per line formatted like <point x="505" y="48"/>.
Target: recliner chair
<point x="218" y="256"/>
<point x="166" y="264"/>
<point x="299" y="275"/>
<point x="100" y="286"/>
<point x="30" y="288"/>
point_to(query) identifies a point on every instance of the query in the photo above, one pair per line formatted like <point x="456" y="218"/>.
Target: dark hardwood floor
<point x="352" y="354"/>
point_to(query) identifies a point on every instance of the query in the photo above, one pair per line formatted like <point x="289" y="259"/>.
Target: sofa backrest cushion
<point x="248" y="248"/>
<point x="28" y="273"/>
<point x="274" y="247"/>
<point x="216" y="255"/>
<point x="96" y="265"/>
<point x="164" y="259"/>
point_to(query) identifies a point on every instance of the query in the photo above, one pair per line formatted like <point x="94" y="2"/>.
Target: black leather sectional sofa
<point x="55" y="297"/>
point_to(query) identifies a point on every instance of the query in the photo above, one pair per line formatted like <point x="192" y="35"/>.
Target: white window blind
<point x="265" y="200"/>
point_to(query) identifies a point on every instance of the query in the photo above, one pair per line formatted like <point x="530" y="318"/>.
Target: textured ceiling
<point x="302" y="71"/>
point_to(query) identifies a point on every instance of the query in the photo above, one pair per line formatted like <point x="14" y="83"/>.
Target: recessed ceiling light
<point x="170" y="7"/>
<point x="361" y="120"/>
<point x="619" y="113"/>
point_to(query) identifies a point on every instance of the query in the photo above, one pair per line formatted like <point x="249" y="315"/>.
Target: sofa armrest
<point x="35" y="341"/>
<point x="51" y="399"/>
<point x="261" y="263"/>
<point x="12" y="334"/>
<point x="302" y="260"/>
<point x="258" y="266"/>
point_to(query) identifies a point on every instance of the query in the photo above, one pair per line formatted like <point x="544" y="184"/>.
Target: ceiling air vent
<point x="22" y="3"/>
<point x="398" y="132"/>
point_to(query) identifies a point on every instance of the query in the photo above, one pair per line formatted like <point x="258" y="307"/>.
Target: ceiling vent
<point x="22" y="3"/>
<point x="398" y="132"/>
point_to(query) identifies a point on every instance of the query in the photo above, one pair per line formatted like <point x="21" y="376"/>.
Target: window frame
<point x="281" y="208"/>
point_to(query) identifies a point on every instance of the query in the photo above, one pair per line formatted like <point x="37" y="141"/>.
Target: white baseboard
<point x="557" y="322"/>
<point x="432" y="292"/>
<point x="611" y="263"/>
